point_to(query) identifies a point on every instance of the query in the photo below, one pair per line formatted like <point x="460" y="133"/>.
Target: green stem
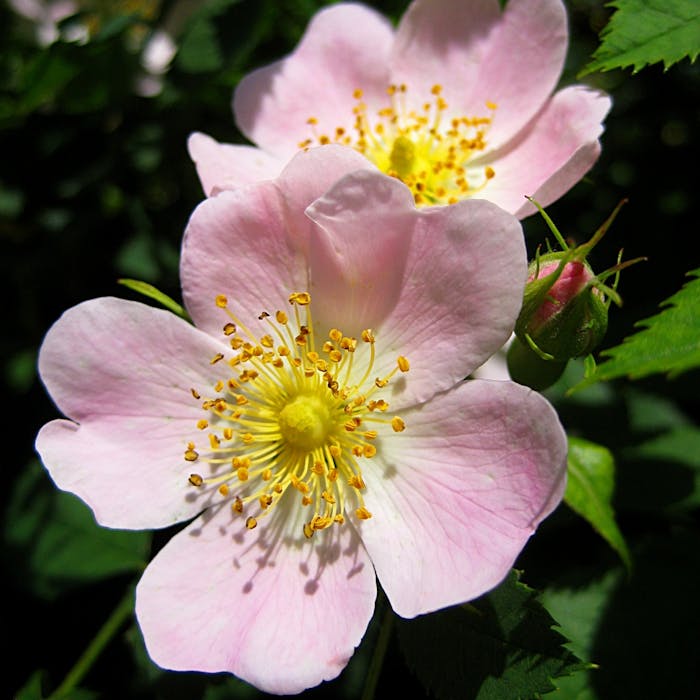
<point x="375" y="667"/>
<point x="105" y="634"/>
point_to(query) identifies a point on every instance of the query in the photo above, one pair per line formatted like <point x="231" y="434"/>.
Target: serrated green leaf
<point x="502" y="646"/>
<point x="59" y="543"/>
<point x="153" y="293"/>
<point x="580" y="610"/>
<point x="589" y="491"/>
<point x="668" y="342"/>
<point x="644" y="32"/>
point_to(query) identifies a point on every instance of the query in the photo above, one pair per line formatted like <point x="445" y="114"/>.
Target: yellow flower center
<point x="292" y="418"/>
<point x="431" y="153"/>
<point x="305" y="422"/>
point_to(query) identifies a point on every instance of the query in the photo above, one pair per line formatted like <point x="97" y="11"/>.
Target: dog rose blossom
<point x="457" y="102"/>
<point x="312" y="425"/>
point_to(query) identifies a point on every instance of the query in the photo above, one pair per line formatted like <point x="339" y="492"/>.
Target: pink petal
<point x="359" y="248"/>
<point x="441" y="286"/>
<point x="479" y="55"/>
<point x="251" y="244"/>
<point x="277" y="612"/>
<point x="345" y="47"/>
<point x="548" y="157"/>
<point x="122" y="372"/>
<point x="559" y="149"/>
<point x="237" y="244"/>
<point x="456" y="496"/>
<point x="229" y="165"/>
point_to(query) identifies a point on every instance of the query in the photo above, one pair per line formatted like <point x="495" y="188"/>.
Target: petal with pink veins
<point x="252" y="244"/>
<point x="123" y="373"/>
<point x="560" y="148"/>
<point x="456" y="496"/>
<point x="479" y="55"/>
<point x="345" y="47"/>
<point x="277" y="612"/>
<point x="549" y="156"/>
<point x="441" y="286"/>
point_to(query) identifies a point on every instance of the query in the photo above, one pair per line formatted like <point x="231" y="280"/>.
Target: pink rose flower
<point x="457" y="102"/>
<point x="312" y="422"/>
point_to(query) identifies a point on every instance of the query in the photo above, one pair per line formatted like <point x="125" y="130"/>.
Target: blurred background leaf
<point x="52" y="542"/>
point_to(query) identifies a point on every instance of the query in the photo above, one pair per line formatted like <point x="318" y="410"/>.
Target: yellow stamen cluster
<point x="425" y="149"/>
<point x="296" y="415"/>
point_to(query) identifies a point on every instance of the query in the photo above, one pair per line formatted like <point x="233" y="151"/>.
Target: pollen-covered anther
<point x="397" y="424"/>
<point x="301" y="298"/>
<point x="429" y="146"/>
<point x="356" y="482"/>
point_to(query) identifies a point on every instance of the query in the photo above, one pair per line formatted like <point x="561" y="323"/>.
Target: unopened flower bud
<point x="564" y="313"/>
<point x="565" y="310"/>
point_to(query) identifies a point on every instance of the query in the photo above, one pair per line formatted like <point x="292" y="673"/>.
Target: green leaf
<point x="150" y="291"/>
<point x="589" y="491"/>
<point x="56" y="544"/>
<point x="650" y="412"/>
<point x="200" y="48"/>
<point x="668" y="468"/>
<point x="668" y="342"/>
<point x="31" y="690"/>
<point x="200" y="51"/>
<point x="581" y="609"/>
<point x="501" y="646"/>
<point x="643" y="32"/>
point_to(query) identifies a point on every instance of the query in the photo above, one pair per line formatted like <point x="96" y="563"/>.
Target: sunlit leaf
<point x="589" y="490"/>
<point x="667" y="343"/>
<point x="499" y="647"/>
<point x="643" y="32"/>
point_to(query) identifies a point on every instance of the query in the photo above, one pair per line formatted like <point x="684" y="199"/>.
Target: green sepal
<point x="580" y="324"/>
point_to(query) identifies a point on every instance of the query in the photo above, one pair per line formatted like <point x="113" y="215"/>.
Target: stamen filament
<point x="292" y="418"/>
